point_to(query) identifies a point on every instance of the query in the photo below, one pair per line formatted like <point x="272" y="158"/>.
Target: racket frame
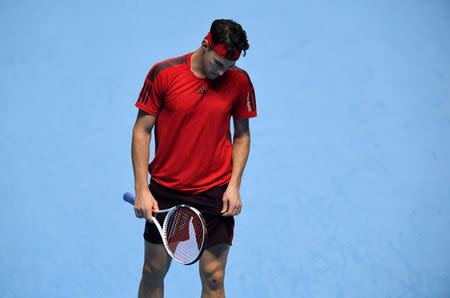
<point x="128" y="197"/>
<point x="163" y="230"/>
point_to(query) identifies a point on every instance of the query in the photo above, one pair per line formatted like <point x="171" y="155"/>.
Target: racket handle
<point x="128" y="197"/>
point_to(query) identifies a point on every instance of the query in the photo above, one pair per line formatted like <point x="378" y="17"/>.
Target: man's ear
<point x="205" y="46"/>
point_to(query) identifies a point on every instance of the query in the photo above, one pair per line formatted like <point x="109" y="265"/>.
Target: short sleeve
<point x="151" y="97"/>
<point x="245" y="105"/>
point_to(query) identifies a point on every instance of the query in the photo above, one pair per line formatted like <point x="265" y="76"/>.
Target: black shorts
<point x="209" y="203"/>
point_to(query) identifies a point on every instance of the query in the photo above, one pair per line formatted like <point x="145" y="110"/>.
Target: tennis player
<point x="189" y="101"/>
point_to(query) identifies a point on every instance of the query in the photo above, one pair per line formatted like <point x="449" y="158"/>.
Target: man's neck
<point x="196" y="64"/>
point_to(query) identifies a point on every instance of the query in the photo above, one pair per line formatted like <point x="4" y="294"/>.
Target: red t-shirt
<point x="192" y="131"/>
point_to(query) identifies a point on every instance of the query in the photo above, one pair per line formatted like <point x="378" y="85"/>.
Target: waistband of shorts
<point x="207" y="202"/>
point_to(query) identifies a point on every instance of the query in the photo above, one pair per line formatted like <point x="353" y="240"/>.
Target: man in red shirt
<point x="190" y="101"/>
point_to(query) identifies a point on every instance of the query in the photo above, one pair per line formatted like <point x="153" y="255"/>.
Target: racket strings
<point x="184" y="234"/>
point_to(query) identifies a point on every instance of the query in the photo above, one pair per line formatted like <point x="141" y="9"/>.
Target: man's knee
<point x="154" y="270"/>
<point x="212" y="267"/>
<point x="156" y="263"/>
<point x="213" y="277"/>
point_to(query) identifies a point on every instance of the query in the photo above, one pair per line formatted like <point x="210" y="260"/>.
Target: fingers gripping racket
<point x="183" y="231"/>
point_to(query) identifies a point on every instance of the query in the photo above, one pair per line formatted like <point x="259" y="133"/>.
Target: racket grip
<point x="128" y="197"/>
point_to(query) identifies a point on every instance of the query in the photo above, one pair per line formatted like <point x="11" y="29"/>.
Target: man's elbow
<point x="141" y="131"/>
<point x="243" y="137"/>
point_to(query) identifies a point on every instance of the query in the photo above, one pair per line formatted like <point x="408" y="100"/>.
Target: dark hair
<point x="229" y="33"/>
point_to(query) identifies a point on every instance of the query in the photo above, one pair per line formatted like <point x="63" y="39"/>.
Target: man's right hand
<point x="144" y="205"/>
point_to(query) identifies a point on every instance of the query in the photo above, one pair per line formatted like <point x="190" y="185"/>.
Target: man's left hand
<point x="231" y="202"/>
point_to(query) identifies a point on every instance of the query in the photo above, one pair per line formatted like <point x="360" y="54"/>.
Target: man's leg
<point x="212" y="270"/>
<point x="156" y="265"/>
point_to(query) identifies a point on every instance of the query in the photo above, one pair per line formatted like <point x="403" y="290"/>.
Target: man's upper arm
<point x="241" y="127"/>
<point x="144" y="121"/>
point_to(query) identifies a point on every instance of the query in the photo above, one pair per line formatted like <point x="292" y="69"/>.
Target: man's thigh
<point x="156" y="259"/>
<point x="214" y="259"/>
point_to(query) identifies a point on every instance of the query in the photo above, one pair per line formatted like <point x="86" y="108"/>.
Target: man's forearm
<point x="140" y="151"/>
<point x="241" y="147"/>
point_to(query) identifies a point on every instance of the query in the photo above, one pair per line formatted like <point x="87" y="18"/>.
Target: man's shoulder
<point x="168" y="64"/>
<point x="240" y="74"/>
<point x="239" y="70"/>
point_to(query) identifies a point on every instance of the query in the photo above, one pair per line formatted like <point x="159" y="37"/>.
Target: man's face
<point x="214" y="65"/>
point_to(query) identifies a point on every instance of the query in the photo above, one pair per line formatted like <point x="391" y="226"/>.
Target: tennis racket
<point x="183" y="231"/>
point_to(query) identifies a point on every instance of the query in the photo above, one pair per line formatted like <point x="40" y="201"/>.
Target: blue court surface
<point x="347" y="189"/>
